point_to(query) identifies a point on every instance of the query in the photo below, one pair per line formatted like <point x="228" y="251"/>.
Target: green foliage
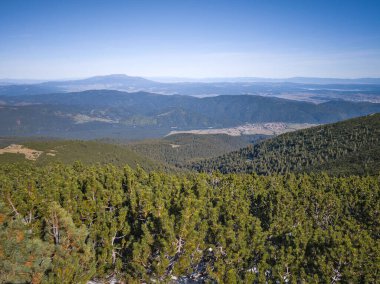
<point x="69" y="151"/>
<point x="73" y="259"/>
<point x="343" y="148"/>
<point x="24" y="258"/>
<point x="181" y="149"/>
<point x="102" y="221"/>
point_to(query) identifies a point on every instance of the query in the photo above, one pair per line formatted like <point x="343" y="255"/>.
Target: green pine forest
<point x="70" y="151"/>
<point x="302" y="207"/>
<point x="179" y="150"/>
<point x="343" y="148"/>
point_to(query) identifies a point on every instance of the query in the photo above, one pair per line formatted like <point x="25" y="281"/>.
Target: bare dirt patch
<point x="175" y="145"/>
<point x="30" y="154"/>
<point x="270" y="128"/>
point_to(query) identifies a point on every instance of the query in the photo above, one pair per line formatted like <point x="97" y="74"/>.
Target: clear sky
<point x="54" y="39"/>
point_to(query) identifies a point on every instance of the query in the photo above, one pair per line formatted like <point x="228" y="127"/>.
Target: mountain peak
<point x="115" y="77"/>
<point x="118" y="79"/>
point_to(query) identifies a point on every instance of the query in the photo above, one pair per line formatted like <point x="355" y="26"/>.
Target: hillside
<point x="114" y="114"/>
<point x="348" y="147"/>
<point x="70" y="151"/>
<point x="180" y="149"/>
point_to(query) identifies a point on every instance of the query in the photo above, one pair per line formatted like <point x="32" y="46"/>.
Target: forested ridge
<point x="95" y="114"/>
<point x="180" y="149"/>
<point x="170" y="153"/>
<point x="342" y="148"/>
<point x="70" y="224"/>
<point x="70" y="151"/>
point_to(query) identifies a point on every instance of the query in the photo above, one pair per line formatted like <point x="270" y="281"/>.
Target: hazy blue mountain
<point x="300" y="80"/>
<point x="113" y="81"/>
<point x="29" y="89"/>
<point x="304" y="89"/>
<point x="311" y="80"/>
<point x="6" y="81"/>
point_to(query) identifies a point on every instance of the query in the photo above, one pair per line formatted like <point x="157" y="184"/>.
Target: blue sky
<point x="190" y="38"/>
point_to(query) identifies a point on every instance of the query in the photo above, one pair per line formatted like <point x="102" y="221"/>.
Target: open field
<point x="271" y="128"/>
<point x="30" y="154"/>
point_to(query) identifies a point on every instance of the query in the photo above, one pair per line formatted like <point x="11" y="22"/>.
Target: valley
<point x="342" y="148"/>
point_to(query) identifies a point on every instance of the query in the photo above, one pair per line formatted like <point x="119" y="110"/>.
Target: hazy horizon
<point x="176" y="78"/>
<point x="50" y="40"/>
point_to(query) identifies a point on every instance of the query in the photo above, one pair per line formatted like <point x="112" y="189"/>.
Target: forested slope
<point x="70" y="151"/>
<point x="70" y="224"/>
<point x="180" y="149"/>
<point x="347" y="147"/>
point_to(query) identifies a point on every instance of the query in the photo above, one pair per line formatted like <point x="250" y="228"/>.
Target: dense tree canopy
<point x="180" y="149"/>
<point x="70" y="224"/>
<point x="343" y="148"/>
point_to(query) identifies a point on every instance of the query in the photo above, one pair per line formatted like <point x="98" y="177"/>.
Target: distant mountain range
<point x="121" y="106"/>
<point x="298" y="88"/>
<point x="299" y="80"/>
<point x="109" y="113"/>
<point x="122" y="79"/>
